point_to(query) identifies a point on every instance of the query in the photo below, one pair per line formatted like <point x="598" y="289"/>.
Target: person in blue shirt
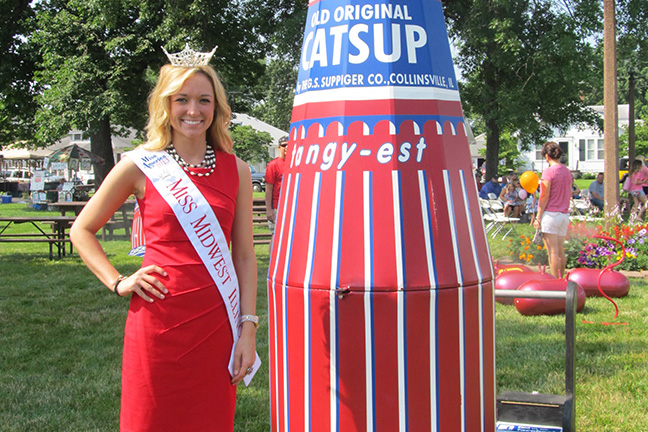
<point x="493" y="186"/>
<point x="596" y="190"/>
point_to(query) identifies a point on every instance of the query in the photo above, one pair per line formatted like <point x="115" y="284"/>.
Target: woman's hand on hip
<point x="142" y="283"/>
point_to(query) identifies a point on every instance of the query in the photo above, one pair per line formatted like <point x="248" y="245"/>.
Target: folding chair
<point x="498" y="210"/>
<point x="582" y="210"/>
<point x="491" y="220"/>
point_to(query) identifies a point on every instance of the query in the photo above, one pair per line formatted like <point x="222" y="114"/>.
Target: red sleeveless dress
<point x="176" y="350"/>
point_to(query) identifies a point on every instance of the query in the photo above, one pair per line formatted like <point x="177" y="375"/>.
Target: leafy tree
<point x="632" y="52"/>
<point x="230" y="25"/>
<point x="641" y="139"/>
<point x="281" y="23"/>
<point x="523" y="64"/>
<point x="632" y="56"/>
<point x="95" y="57"/>
<point x="509" y="154"/>
<point x="249" y="144"/>
<point x="101" y="58"/>
<point x="279" y="85"/>
<point x="16" y="72"/>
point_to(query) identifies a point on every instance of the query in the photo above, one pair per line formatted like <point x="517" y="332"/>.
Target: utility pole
<point x="610" y="112"/>
<point x="631" y="117"/>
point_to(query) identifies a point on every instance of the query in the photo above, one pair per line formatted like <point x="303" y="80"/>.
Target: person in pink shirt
<point x="638" y="179"/>
<point x="553" y="207"/>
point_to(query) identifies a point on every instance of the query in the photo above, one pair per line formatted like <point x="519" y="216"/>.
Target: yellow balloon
<point x="529" y="181"/>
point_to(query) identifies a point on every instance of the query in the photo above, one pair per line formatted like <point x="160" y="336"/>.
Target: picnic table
<point x="66" y="206"/>
<point x="57" y="238"/>
<point x="122" y="218"/>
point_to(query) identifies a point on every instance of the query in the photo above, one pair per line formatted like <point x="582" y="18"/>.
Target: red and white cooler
<point x="380" y="280"/>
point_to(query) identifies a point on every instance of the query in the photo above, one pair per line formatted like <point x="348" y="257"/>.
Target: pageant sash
<point x="201" y="226"/>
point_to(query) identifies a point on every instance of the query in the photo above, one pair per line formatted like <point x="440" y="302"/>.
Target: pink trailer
<point x="380" y="278"/>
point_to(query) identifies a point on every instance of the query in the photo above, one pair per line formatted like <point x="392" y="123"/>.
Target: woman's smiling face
<point x="192" y="110"/>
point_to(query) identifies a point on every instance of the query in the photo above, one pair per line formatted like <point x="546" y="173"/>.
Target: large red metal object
<point x="533" y="306"/>
<point x="512" y="280"/>
<point x="380" y="278"/>
<point x="613" y="283"/>
<point x="501" y="268"/>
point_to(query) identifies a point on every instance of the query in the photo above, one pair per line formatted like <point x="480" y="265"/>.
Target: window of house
<point x="592" y="148"/>
<point x="601" y="148"/>
<point x="538" y="152"/>
<point x="76" y="137"/>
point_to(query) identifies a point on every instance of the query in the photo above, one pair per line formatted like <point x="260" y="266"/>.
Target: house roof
<point x="246" y="120"/>
<point x="11" y="152"/>
<point x="623" y="111"/>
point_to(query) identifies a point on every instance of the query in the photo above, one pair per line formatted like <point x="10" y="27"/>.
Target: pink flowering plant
<point x="595" y="255"/>
<point x="583" y="249"/>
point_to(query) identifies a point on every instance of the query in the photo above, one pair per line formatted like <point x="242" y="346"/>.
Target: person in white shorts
<point x="553" y="207"/>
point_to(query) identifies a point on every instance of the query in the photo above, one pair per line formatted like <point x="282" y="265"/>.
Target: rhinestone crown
<point x="190" y="58"/>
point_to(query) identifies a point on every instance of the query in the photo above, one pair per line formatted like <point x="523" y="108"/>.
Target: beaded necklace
<point x="209" y="162"/>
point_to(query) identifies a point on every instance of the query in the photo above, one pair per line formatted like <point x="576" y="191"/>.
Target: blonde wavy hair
<point x="171" y="80"/>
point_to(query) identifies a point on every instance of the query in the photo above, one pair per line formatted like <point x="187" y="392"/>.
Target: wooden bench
<point x="262" y="238"/>
<point x="38" y="238"/>
<point x="121" y="219"/>
<point x="259" y="220"/>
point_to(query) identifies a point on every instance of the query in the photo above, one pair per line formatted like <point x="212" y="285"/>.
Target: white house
<point x="582" y="145"/>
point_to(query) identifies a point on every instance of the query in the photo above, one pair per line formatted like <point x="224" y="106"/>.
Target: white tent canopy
<point x="23" y="153"/>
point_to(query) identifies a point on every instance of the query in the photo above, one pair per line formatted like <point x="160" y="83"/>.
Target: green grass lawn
<point x="61" y="335"/>
<point x="583" y="184"/>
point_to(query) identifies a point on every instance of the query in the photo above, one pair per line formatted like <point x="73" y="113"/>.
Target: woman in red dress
<point x="178" y="337"/>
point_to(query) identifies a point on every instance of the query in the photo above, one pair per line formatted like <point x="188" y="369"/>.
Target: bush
<point x="522" y="249"/>
<point x="588" y="176"/>
<point x="584" y="247"/>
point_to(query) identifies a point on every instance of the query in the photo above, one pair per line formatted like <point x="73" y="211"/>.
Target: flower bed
<point x="584" y="250"/>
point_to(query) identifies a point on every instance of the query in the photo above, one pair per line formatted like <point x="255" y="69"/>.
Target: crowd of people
<point x="508" y="190"/>
<point x="517" y="203"/>
<point x="549" y="208"/>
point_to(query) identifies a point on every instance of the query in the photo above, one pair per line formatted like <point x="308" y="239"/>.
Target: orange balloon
<point x="529" y="181"/>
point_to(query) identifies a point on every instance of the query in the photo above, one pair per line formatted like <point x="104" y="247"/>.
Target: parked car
<point x="258" y="180"/>
<point x="21" y="175"/>
<point x="624" y="167"/>
<point x="49" y="177"/>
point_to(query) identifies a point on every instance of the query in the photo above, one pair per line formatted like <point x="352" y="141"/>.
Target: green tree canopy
<point x="523" y="65"/>
<point x="249" y="144"/>
<point x="278" y="86"/>
<point x="641" y="139"/>
<point x="95" y="57"/>
<point x="282" y="23"/>
<point x="101" y="57"/>
<point x="17" y="87"/>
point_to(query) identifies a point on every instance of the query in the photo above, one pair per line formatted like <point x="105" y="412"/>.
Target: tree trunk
<point x="492" y="149"/>
<point x="101" y="145"/>
<point x="492" y="125"/>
